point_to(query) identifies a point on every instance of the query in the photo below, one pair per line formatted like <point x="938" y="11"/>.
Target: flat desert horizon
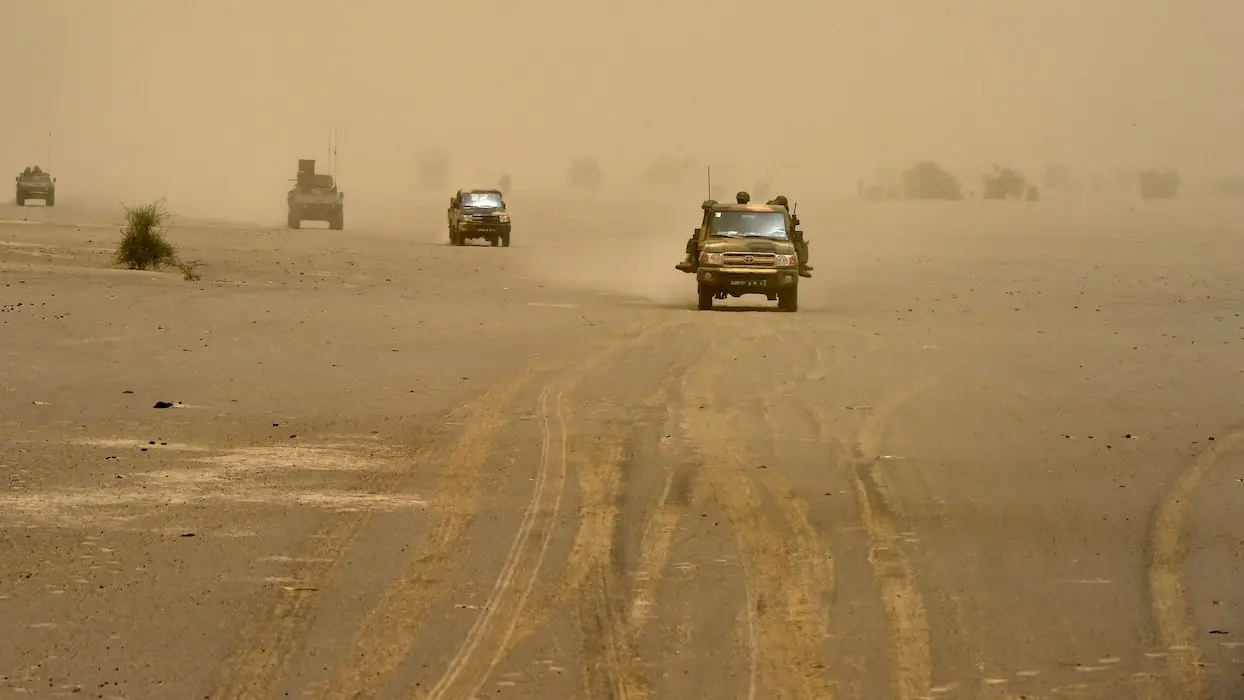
<point x="994" y="454"/>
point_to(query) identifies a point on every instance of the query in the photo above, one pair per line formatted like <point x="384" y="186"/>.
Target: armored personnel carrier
<point x="315" y="197"/>
<point x="34" y="183"/>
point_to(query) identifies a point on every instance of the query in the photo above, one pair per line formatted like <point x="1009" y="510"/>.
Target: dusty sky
<point x="210" y="103"/>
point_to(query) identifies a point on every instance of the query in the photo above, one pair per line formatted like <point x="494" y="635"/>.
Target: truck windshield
<point x="482" y="200"/>
<point x="749" y="224"/>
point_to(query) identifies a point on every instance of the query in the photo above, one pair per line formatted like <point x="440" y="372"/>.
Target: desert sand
<point x="997" y="454"/>
<point x="994" y="455"/>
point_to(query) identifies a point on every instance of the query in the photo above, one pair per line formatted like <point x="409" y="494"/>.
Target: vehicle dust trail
<point x="389" y="630"/>
<point x="787" y="619"/>
<point x="1168" y="597"/>
<point x="259" y="664"/>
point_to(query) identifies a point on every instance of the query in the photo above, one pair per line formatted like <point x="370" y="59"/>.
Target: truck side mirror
<point x="697" y="232"/>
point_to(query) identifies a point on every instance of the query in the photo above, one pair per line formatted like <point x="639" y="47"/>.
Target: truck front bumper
<point x="316" y="211"/>
<point x="734" y="280"/>
<point x="483" y="229"/>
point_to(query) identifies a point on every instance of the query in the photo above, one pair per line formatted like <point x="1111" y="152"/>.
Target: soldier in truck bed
<point x="801" y="246"/>
<point x="688" y="263"/>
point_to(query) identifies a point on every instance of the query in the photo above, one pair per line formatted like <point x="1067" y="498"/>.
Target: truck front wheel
<point x="706" y="299"/>
<point x="789" y="300"/>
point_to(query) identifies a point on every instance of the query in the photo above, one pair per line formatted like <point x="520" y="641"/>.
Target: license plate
<point x="747" y="283"/>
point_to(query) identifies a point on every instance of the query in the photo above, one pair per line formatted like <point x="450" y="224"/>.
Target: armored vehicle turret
<point x="315" y="197"/>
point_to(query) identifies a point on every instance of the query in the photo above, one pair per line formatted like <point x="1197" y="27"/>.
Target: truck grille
<point x="748" y="259"/>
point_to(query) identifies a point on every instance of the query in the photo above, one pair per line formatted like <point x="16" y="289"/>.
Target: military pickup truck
<point x="34" y="183"/>
<point x="314" y="197"/>
<point x="744" y="249"/>
<point x="478" y="214"/>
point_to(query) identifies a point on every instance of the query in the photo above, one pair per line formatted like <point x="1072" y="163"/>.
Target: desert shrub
<point x="1003" y="183"/>
<point x="584" y="173"/>
<point x="143" y="245"/>
<point x="1158" y="184"/>
<point x="928" y="180"/>
<point x="188" y="269"/>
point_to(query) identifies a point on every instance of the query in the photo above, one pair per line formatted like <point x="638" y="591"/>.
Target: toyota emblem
<point x="748" y="259"/>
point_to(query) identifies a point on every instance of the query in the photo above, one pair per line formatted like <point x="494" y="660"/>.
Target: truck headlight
<point x="503" y="218"/>
<point x="710" y="258"/>
<point x="786" y="260"/>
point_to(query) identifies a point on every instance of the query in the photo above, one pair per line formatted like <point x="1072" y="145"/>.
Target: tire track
<point x="1167" y="593"/>
<point x="259" y="664"/>
<point x="607" y="672"/>
<point x="787" y="620"/>
<point x="501" y="642"/>
<point x="612" y="627"/>
<point x="456" y="498"/>
<point x="610" y="663"/>
<point x="260" y="661"/>
<point x="655" y="546"/>
<point x="388" y="632"/>
<point x="525" y="558"/>
<point x="879" y="512"/>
